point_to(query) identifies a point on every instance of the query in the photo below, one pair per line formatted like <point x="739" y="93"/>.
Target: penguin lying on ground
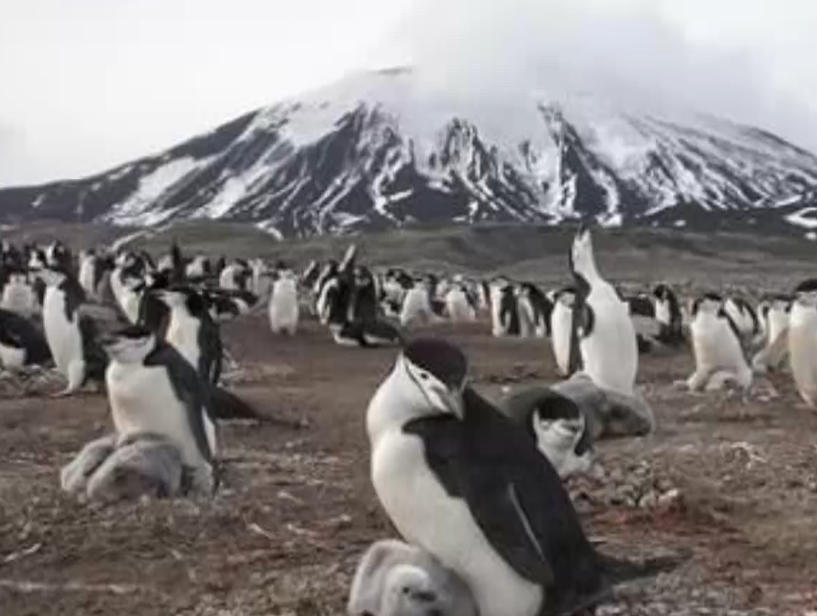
<point x="483" y="500"/>
<point x="396" y="579"/>
<point x="21" y="342"/>
<point x="568" y="418"/>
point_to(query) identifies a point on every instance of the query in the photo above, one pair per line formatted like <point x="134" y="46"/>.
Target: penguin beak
<point x="455" y="404"/>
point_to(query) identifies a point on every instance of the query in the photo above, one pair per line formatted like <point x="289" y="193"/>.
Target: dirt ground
<point x="297" y="510"/>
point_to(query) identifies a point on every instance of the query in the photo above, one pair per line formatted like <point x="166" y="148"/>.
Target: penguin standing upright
<point x="608" y="344"/>
<point x="458" y="306"/>
<point x="561" y="329"/>
<point x="460" y="480"/>
<point x="193" y="332"/>
<point x="774" y="319"/>
<point x="716" y="344"/>
<point x="283" y="304"/>
<point x="72" y="337"/>
<point x="802" y="341"/>
<point x="152" y="389"/>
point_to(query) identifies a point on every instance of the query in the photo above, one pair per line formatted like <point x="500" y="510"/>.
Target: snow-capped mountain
<point x="380" y="150"/>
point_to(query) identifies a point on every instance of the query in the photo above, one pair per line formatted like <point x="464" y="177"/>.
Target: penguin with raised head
<point x="153" y="389"/>
<point x="802" y="341"/>
<point x="716" y="344"/>
<point x="283" y="304"/>
<point x="463" y="482"/>
<point x="601" y="321"/>
<point x="72" y="337"/>
<point x="21" y="343"/>
<point x="561" y="330"/>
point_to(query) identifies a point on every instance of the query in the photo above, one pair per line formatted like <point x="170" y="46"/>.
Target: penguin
<point x="668" y="314"/>
<point x="310" y="274"/>
<point x="561" y="329"/>
<point x="126" y="286"/>
<point x="774" y="318"/>
<point x="21" y="343"/>
<point x="802" y="341"/>
<point x="416" y="308"/>
<point x="601" y="320"/>
<point x="716" y="344"/>
<point x="193" y="332"/>
<point x="283" y="304"/>
<point x="458" y="306"/>
<point x="18" y="294"/>
<point x="72" y="337"/>
<point x="87" y="272"/>
<point x="744" y="318"/>
<point x="153" y="389"/>
<point x="198" y="269"/>
<point x="509" y="322"/>
<point x="234" y="277"/>
<point x="396" y="579"/>
<point x="558" y="427"/>
<point x="535" y="309"/>
<point x="460" y="480"/>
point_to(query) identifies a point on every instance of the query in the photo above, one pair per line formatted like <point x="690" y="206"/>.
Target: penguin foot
<point x="68" y="391"/>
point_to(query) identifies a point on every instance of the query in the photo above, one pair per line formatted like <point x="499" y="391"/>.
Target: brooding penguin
<point x="153" y="389"/>
<point x="283" y="304"/>
<point x="561" y="329"/>
<point x="802" y="341"/>
<point x="608" y="345"/>
<point x="71" y="336"/>
<point x="557" y="426"/>
<point x="460" y="480"/>
<point x="716" y="344"/>
<point x="774" y="319"/>
<point x="21" y="343"/>
<point x="396" y="579"/>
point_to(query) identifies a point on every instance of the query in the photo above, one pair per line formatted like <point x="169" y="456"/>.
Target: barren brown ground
<point x="297" y="510"/>
<point x="284" y="535"/>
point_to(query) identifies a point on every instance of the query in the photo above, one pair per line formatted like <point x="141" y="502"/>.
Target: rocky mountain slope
<point x="379" y="150"/>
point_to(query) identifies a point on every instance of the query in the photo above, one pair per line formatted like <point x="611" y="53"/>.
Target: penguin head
<point x="183" y="298"/>
<point x="560" y="430"/>
<point x="709" y="303"/>
<point x="408" y="590"/>
<point x="582" y="261"/>
<point x="434" y="375"/>
<point x="129" y="345"/>
<point x="805" y="294"/>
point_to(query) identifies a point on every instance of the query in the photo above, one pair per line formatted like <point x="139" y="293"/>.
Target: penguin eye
<point x="425" y="376"/>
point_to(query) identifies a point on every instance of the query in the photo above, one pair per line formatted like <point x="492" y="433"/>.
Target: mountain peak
<point x="387" y="148"/>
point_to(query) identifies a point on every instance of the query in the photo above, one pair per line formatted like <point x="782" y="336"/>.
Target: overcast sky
<point x="87" y="84"/>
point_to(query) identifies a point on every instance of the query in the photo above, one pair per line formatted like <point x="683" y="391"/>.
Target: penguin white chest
<point x="715" y="345"/>
<point x="183" y="333"/>
<point x="86" y="275"/>
<point x="561" y="321"/>
<point x="63" y="336"/>
<point x="18" y="297"/>
<point x="427" y="516"/>
<point x="283" y="307"/>
<point x="12" y="357"/>
<point x="459" y="310"/>
<point x="142" y="399"/>
<point x="803" y="351"/>
<point x="415" y="306"/>
<point x="610" y="352"/>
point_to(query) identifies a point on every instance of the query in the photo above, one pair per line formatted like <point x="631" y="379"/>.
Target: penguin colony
<point x="474" y="488"/>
